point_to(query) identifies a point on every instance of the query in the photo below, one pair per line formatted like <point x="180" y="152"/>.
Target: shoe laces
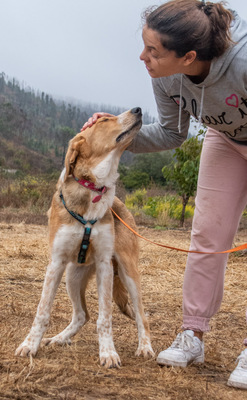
<point x="242" y="360"/>
<point x="183" y="341"/>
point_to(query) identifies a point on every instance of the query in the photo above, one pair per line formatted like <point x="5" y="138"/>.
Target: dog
<point x="85" y="238"/>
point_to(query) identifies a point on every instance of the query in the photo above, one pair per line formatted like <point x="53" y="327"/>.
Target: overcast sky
<point x="87" y="50"/>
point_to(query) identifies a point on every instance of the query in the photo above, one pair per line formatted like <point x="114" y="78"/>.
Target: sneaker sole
<point x="236" y="384"/>
<point x="173" y="363"/>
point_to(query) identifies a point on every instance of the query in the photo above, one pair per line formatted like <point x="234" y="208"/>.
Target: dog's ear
<point x="71" y="156"/>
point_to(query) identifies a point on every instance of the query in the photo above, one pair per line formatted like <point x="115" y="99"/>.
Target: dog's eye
<point x="104" y="120"/>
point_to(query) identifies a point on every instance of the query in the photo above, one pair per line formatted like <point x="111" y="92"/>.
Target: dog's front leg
<point x="108" y="355"/>
<point x="52" y="279"/>
<point x="76" y="281"/>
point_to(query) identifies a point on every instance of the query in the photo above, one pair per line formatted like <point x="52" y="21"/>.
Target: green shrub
<point x="154" y="206"/>
<point x="164" y="208"/>
<point x="245" y="213"/>
<point x="136" y="199"/>
<point x="135" y="180"/>
<point x="27" y="192"/>
<point x="176" y="212"/>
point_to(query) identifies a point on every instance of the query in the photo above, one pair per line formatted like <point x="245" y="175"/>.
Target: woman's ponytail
<point x="220" y="19"/>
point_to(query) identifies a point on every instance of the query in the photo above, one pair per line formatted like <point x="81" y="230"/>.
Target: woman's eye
<point x="154" y="53"/>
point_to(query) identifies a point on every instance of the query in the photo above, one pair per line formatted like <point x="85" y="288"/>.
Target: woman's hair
<point x="186" y="25"/>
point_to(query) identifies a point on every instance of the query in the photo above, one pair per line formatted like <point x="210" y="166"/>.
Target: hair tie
<point x="203" y="5"/>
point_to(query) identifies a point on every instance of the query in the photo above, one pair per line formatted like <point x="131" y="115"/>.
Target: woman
<point x="196" y="54"/>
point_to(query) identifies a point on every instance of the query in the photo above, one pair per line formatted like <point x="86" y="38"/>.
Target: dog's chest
<point x="68" y="240"/>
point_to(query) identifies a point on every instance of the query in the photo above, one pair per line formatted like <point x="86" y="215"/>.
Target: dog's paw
<point x="145" y="349"/>
<point x="26" y="349"/>
<point x="110" y="360"/>
<point x="56" y="340"/>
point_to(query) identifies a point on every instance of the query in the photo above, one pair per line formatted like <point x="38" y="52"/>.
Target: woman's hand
<point x="94" y="118"/>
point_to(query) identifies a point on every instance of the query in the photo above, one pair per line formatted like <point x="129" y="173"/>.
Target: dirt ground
<point x="73" y="372"/>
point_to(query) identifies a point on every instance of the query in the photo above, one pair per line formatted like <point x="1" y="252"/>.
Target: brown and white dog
<point x="85" y="237"/>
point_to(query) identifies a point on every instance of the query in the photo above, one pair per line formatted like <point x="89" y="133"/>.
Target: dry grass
<point x="74" y="372"/>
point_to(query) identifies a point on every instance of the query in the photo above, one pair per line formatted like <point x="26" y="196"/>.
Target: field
<point x="73" y="372"/>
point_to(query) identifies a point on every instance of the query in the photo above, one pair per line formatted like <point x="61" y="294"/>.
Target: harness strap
<point x="78" y="217"/>
<point x="87" y="232"/>
<point x="84" y="246"/>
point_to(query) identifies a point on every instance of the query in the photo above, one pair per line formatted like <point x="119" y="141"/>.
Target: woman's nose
<point x="142" y="55"/>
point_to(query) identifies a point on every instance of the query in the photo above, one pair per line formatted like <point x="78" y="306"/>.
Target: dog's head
<point x="97" y="150"/>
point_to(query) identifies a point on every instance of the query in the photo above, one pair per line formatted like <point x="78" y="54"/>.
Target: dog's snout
<point x="136" y="110"/>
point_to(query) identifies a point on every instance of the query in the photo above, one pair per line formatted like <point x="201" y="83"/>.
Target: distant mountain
<point x="32" y="127"/>
<point x="35" y="128"/>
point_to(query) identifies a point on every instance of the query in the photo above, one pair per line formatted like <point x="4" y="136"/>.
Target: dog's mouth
<point x="128" y="131"/>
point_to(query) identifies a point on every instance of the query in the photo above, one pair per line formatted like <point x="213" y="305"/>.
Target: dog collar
<point x="91" y="186"/>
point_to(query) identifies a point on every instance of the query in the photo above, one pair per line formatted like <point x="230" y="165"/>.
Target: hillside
<point x="18" y="157"/>
<point x="35" y="128"/>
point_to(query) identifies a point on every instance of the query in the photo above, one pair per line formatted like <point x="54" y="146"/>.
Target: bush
<point x="27" y="192"/>
<point x="176" y="213"/>
<point x="136" y="199"/>
<point x="154" y="206"/>
<point x="163" y="208"/>
<point x="135" y="180"/>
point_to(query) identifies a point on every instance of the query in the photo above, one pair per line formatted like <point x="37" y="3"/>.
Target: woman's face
<point x="158" y="60"/>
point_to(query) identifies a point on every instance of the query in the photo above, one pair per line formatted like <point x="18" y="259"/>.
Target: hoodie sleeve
<point x="162" y="135"/>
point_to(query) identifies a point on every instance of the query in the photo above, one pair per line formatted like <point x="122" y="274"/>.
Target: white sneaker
<point x="238" y="377"/>
<point x="185" y="349"/>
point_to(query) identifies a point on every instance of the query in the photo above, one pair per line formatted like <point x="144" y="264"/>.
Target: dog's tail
<point x="120" y="296"/>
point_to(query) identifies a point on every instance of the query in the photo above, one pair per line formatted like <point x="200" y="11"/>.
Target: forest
<point x="35" y="130"/>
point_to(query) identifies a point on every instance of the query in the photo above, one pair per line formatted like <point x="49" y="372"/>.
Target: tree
<point x="151" y="164"/>
<point x="144" y="169"/>
<point x="64" y="134"/>
<point x="133" y="179"/>
<point x="182" y="173"/>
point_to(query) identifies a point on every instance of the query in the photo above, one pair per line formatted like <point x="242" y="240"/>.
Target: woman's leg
<point x="221" y="198"/>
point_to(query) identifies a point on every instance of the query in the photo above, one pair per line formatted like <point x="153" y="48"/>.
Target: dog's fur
<point x="93" y="155"/>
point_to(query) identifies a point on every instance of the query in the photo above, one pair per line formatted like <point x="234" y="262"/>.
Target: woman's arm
<point x="162" y="135"/>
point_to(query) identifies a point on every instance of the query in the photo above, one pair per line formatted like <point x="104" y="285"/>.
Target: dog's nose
<point x="136" y="110"/>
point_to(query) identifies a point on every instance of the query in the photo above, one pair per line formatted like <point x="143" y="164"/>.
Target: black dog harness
<point x="87" y="232"/>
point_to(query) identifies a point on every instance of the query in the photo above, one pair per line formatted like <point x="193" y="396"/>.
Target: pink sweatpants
<point x="220" y="201"/>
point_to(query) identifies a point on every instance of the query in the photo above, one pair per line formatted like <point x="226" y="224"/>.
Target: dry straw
<point x="73" y="372"/>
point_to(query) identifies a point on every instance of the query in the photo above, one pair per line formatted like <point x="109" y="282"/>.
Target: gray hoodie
<point x="219" y="102"/>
